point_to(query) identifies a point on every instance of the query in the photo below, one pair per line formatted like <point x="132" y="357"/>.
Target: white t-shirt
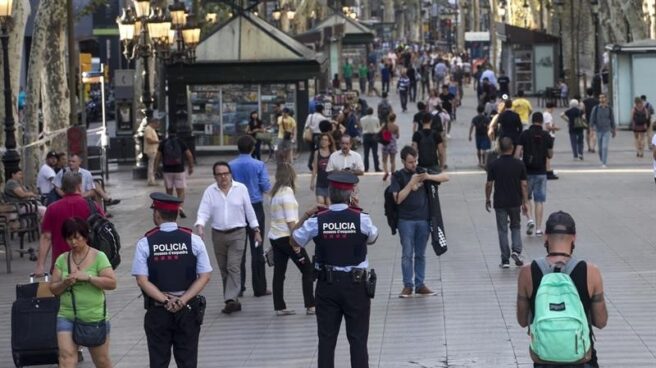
<point x="548" y="121"/>
<point x="44" y="179"/>
<point x="653" y="145"/>
<point x="284" y="209"/>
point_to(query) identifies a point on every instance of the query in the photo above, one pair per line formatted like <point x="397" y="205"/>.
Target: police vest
<point x="171" y="262"/>
<point x="340" y="241"/>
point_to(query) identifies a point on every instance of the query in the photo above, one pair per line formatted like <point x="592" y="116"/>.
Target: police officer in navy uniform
<point x="341" y="234"/>
<point x="172" y="267"/>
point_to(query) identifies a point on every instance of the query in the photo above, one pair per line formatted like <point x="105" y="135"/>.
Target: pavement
<point x="470" y="323"/>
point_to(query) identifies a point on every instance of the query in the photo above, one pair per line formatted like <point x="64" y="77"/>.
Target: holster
<point x="198" y="304"/>
<point x="315" y="270"/>
<point x="371" y="284"/>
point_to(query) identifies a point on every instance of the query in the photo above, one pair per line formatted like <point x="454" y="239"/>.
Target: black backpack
<point x="391" y="208"/>
<point x="427" y="148"/>
<point x="103" y="235"/>
<point x="384" y="110"/>
<point x="535" y="154"/>
<point x="640" y="117"/>
<point x="172" y="152"/>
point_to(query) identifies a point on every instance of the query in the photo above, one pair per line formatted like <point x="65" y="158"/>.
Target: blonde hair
<point x="285" y="177"/>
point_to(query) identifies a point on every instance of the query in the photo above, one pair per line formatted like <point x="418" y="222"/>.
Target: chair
<point x="96" y="164"/>
<point x="23" y="219"/>
<point x="4" y="241"/>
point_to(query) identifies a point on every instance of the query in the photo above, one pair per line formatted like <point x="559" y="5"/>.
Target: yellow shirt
<point x="522" y="107"/>
<point x="286" y="125"/>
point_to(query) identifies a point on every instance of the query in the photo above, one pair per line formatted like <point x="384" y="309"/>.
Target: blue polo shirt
<point x="253" y="174"/>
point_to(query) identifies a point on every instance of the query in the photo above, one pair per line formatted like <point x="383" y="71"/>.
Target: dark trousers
<point x="370" y="144"/>
<point x="342" y="298"/>
<point x="257" y="154"/>
<point x="425" y="88"/>
<point x="313" y="147"/>
<point x="258" y="274"/>
<point x="404" y="99"/>
<point x="349" y="83"/>
<point x="576" y="141"/>
<point x="413" y="91"/>
<point x="282" y="252"/>
<point x="386" y="84"/>
<point x="165" y="330"/>
<point x="363" y="85"/>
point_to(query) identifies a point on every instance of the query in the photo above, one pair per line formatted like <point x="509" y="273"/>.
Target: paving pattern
<point x="470" y="323"/>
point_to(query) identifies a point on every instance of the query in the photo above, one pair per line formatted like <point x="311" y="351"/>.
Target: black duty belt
<point x="229" y="230"/>
<point x="330" y="275"/>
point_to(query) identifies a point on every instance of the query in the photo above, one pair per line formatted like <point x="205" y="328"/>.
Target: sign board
<point x="477" y="36"/>
<point x="124" y="84"/>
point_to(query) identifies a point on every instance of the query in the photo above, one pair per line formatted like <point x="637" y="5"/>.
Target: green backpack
<point x="560" y="332"/>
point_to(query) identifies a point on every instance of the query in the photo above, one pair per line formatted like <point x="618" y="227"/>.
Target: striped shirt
<point x="284" y="209"/>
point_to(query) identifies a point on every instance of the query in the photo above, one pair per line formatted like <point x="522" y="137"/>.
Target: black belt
<point x="329" y="274"/>
<point x="229" y="230"/>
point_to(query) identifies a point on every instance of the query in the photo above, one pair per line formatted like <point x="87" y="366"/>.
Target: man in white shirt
<point x="345" y="159"/>
<point x="370" y="128"/>
<point x="45" y="178"/>
<point x="228" y="204"/>
<point x="312" y="123"/>
<point x="89" y="189"/>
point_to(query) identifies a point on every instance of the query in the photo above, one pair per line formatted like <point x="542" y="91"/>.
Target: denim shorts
<point x="537" y="187"/>
<point x="324" y="192"/>
<point x="66" y="325"/>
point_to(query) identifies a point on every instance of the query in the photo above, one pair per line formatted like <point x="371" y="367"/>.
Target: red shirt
<point x="71" y="205"/>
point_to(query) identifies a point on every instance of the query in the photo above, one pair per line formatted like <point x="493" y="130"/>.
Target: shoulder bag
<point x="89" y="334"/>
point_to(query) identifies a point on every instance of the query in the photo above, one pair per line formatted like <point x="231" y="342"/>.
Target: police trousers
<point x="178" y="330"/>
<point x="342" y="298"/>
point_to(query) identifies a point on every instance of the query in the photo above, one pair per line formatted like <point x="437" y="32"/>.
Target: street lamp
<point x="11" y="158"/>
<point x="596" y="79"/>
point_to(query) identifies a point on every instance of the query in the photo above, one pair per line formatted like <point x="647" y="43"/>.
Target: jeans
<point x="349" y="83"/>
<point x="503" y="214"/>
<point x="576" y="140"/>
<point x="370" y="144"/>
<point x="413" y="91"/>
<point x="603" y="138"/>
<point x="414" y="237"/>
<point x="363" y="85"/>
<point x="404" y="99"/>
<point x="257" y="153"/>
<point x="386" y="85"/>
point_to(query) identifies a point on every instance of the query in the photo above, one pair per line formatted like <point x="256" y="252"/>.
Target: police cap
<point x="343" y="180"/>
<point x="165" y="202"/>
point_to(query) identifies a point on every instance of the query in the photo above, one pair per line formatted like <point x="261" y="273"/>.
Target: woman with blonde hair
<point x="284" y="216"/>
<point x="319" y="180"/>
<point x="80" y="278"/>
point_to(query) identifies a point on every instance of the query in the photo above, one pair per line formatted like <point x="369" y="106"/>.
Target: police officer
<point x="172" y="267"/>
<point x="341" y="234"/>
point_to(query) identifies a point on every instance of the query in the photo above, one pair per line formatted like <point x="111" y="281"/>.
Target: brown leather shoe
<point x="425" y="291"/>
<point x="406" y="292"/>
<point x="231" y="306"/>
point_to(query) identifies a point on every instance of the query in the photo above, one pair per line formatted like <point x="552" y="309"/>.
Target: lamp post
<point x="596" y="79"/>
<point x="147" y="31"/>
<point x="11" y="158"/>
<point x="559" y="10"/>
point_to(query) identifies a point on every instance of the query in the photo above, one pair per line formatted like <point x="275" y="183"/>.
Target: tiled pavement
<point x="471" y="323"/>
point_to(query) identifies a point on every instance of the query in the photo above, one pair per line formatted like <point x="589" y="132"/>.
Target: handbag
<point x="307" y="135"/>
<point x="268" y="256"/>
<point x="89" y="334"/>
<point x="579" y="123"/>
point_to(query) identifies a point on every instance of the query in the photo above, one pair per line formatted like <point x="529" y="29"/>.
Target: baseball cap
<point x="52" y="154"/>
<point x="560" y="223"/>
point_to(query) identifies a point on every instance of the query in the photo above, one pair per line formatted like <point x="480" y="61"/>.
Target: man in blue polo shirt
<point x="253" y="174"/>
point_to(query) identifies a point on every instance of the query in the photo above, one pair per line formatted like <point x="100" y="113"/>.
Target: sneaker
<point x="425" y="291"/>
<point x="529" y="227"/>
<point x="406" y="292"/>
<point x="182" y="213"/>
<point x="231" y="306"/>
<point x="581" y="157"/>
<point x="604" y="166"/>
<point x="504" y="265"/>
<point x="311" y="311"/>
<point x="285" y="312"/>
<point x="538" y="232"/>
<point x="517" y="258"/>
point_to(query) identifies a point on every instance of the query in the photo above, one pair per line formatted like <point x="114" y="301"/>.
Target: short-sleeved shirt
<point x="419" y="118"/>
<point x="481" y="123"/>
<point x="87" y="179"/>
<point x="339" y="161"/>
<point x="173" y="168"/>
<point x="45" y="178"/>
<point x="572" y="114"/>
<point x="523" y="108"/>
<point x="507" y="173"/>
<point x="284" y="209"/>
<point x="527" y="140"/>
<point x="141" y="253"/>
<point x="447" y="99"/>
<point x="10" y="190"/>
<point x="415" y="205"/>
<point x="286" y="125"/>
<point x="437" y="138"/>
<point x="71" y="205"/>
<point x="89" y="299"/>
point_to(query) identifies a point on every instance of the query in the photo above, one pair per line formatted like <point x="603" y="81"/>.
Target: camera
<point x="421" y="170"/>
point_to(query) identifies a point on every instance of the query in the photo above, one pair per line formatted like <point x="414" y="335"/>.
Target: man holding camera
<point x="411" y="197"/>
<point x="345" y="159"/>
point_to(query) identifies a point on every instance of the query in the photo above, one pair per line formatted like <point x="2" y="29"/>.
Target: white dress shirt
<point x="227" y="211"/>
<point x="339" y="161"/>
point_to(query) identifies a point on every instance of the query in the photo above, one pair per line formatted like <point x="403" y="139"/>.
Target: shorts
<point x="483" y="143"/>
<point x="175" y="180"/>
<point x="66" y="325"/>
<point x="322" y="192"/>
<point x="537" y="188"/>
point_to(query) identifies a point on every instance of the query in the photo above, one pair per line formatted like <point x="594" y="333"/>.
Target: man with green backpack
<point x="561" y="298"/>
